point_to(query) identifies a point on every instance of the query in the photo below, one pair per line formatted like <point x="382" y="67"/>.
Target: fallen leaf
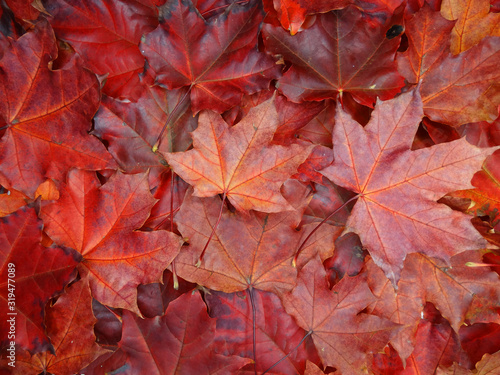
<point x="343" y="335"/>
<point x="376" y="163"/>
<point x="457" y="89"/>
<point x="451" y="288"/>
<point x="238" y="161"/>
<point x="474" y="22"/>
<point x="355" y="56"/>
<point x="247" y="251"/>
<point x="100" y="222"/>
<point x="30" y="275"/>
<point x="70" y="324"/>
<point x="156" y="346"/>
<point x="106" y="34"/>
<point x="218" y="76"/>
<point x="47" y="125"/>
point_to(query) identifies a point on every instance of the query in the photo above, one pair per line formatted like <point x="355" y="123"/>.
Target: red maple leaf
<point x="238" y="161"/>
<point x="156" y="346"/>
<point x="218" y="76"/>
<point x="107" y="35"/>
<point x="27" y="282"/>
<point x="342" y="335"/>
<point x="355" y="56"/>
<point x="50" y="120"/>
<point x="102" y="222"/>
<point x="69" y="321"/>
<point x="396" y="212"/>
<point x="455" y="89"/>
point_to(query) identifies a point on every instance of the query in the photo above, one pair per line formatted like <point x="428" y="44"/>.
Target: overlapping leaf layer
<point x="249" y="187"/>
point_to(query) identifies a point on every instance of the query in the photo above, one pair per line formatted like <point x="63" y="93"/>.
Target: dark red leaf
<point x="354" y="56"/>
<point x="181" y="342"/>
<point x="46" y="126"/>
<point x="217" y="76"/>
<point x="31" y="274"/>
<point x="106" y="34"/>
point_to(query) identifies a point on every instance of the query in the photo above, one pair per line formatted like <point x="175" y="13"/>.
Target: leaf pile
<point x="249" y="187"/>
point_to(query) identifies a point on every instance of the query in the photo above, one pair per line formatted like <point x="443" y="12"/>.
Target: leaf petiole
<point x="294" y="261"/>
<point x="170" y="116"/>
<point x="291" y="351"/>
<point x="198" y="263"/>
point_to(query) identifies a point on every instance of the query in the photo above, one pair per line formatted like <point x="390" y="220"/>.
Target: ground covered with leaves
<point x="249" y="187"/>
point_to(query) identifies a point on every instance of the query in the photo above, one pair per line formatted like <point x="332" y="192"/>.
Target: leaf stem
<point x="172" y="186"/>
<point x="172" y="177"/>
<point x="254" y="348"/>
<point x="294" y="261"/>
<point x="166" y="218"/>
<point x="198" y="263"/>
<point x="169" y="118"/>
<point x="291" y="351"/>
<point x="474" y="264"/>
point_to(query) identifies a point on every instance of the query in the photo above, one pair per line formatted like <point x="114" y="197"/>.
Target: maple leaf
<point x="106" y="35"/>
<point x="47" y="125"/>
<point x="254" y="250"/>
<point x="30" y="280"/>
<point x="70" y="323"/>
<point x="396" y="212"/>
<point x="218" y="76"/>
<point x="99" y="222"/>
<point x="474" y="22"/>
<point x="156" y="346"/>
<point x="354" y="56"/>
<point x="238" y="162"/>
<point x="277" y="334"/>
<point x="455" y="89"/>
<point x="341" y="333"/>
<point x="452" y="289"/>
